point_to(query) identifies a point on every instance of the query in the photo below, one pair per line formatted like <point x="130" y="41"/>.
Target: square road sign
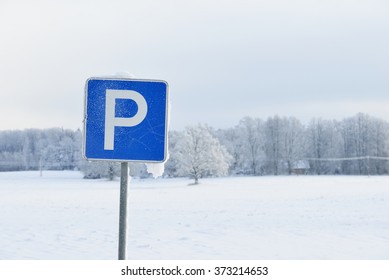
<point x="125" y="120"/>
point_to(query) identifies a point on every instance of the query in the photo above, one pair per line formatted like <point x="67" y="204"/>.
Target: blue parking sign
<point x="125" y="120"/>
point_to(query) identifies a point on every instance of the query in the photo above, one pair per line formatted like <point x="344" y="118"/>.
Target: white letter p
<point x="111" y="121"/>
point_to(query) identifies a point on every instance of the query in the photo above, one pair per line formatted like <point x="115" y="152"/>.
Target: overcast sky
<point x="223" y="60"/>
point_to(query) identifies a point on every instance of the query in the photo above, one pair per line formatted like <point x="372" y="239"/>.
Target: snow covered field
<point x="62" y="216"/>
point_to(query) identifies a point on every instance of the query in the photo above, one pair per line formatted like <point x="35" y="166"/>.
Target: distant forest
<point x="357" y="145"/>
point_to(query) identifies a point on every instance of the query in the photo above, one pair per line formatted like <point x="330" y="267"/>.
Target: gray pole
<point x="123" y="211"/>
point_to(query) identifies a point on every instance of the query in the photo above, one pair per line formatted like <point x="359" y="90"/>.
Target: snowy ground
<point x="62" y="216"/>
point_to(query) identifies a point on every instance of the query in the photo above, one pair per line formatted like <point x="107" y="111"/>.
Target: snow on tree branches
<point x="199" y="154"/>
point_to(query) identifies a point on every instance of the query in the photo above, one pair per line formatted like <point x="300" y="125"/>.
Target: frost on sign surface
<point x="125" y="120"/>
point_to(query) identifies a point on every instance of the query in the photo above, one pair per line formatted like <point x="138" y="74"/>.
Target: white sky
<point x="223" y="60"/>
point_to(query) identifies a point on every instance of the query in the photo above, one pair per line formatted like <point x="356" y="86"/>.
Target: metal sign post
<point x="125" y="120"/>
<point x="123" y="211"/>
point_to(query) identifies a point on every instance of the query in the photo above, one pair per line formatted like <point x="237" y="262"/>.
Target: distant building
<point x="300" y="167"/>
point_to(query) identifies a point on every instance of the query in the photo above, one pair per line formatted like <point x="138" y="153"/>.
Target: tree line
<point x="280" y="145"/>
<point x="34" y="149"/>
<point x="357" y="145"/>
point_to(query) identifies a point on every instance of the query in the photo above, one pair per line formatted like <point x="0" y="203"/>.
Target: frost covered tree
<point x="324" y="143"/>
<point x="364" y="136"/>
<point x="251" y="133"/>
<point x="231" y="139"/>
<point x="379" y="146"/>
<point x="60" y="149"/>
<point x="199" y="154"/>
<point x="274" y="148"/>
<point x="171" y="164"/>
<point x="293" y="141"/>
<point x="317" y="132"/>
